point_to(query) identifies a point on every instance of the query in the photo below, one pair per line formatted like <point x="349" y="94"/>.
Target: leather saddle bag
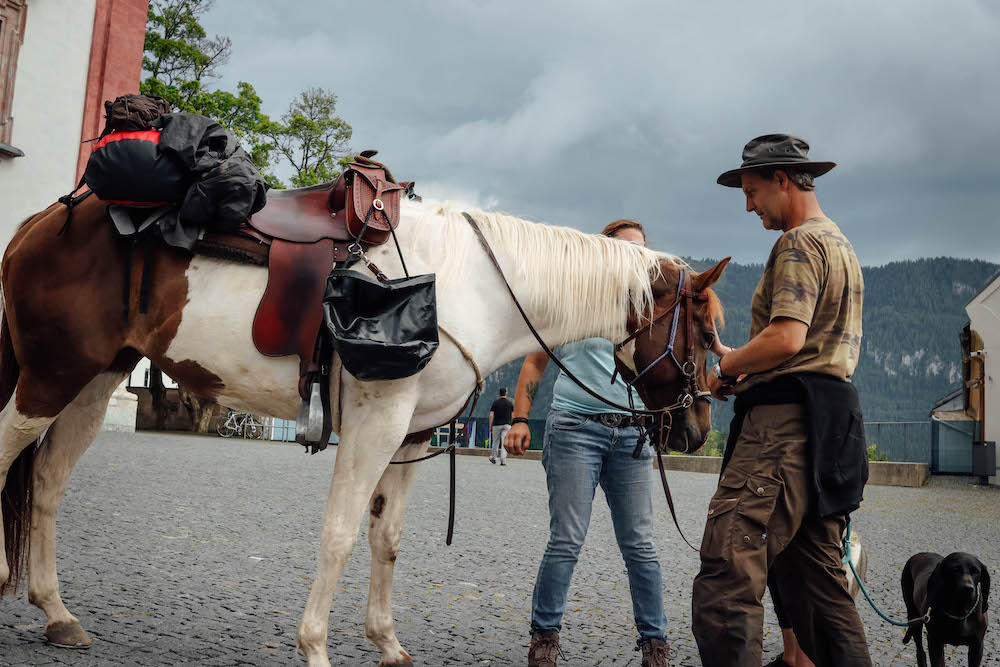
<point x="381" y="330"/>
<point x="368" y="200"/>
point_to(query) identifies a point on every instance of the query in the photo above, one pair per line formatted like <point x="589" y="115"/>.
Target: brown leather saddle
<point x="305" y="231"/>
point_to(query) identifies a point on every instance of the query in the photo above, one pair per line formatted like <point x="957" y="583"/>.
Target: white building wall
<point x="48" y="109"/>
<point x="49" y="95"/>
<point x="984" y="316"/>
<point x="138" y="377"/>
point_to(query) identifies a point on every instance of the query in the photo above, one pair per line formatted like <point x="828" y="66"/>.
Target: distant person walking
<point x="500" y="414"/>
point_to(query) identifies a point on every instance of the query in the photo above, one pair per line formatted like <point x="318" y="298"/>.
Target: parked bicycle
<point x="243" y="423"/>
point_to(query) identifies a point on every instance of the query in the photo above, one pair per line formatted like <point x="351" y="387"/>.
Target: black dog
<point x="955" y="593"/>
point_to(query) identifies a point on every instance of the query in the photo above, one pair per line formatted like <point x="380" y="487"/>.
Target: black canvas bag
<point x="128" y="168"/>
<point x="381" y="330"/>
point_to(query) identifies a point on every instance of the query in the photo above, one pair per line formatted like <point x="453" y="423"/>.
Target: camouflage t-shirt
<point x="812" y="276"/>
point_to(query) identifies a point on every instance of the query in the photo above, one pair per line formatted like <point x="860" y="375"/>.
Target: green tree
<point x="178" y="52"/>
<point x="181" y="61"/>
<point x="311" y="137"/>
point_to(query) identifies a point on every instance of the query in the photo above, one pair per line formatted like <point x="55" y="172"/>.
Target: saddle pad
<point x="291" y="311"/>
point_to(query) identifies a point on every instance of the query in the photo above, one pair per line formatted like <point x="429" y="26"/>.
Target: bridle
<point x="664" y="416"/>
<point x="688" y="369"/>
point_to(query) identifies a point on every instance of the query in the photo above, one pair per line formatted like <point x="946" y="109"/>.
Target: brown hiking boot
<point x="655" y="653"/>
<point x="544" y="649"/>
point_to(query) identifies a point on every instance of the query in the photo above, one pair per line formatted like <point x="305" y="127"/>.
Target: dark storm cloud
<point x="577" y="114"/>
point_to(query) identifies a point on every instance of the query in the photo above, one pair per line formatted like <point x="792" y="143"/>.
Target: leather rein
<point x="687" y="369"/>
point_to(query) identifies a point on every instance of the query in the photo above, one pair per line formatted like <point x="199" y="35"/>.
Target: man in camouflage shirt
<point x="795" y="463"/>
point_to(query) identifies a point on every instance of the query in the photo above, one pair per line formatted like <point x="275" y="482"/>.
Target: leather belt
<point x="617" y="419"/>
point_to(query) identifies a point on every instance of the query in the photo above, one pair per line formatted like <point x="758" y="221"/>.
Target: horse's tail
<point x="15" y="500"/>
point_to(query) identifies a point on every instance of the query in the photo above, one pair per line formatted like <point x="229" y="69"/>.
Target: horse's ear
<point x="706" y="279"/>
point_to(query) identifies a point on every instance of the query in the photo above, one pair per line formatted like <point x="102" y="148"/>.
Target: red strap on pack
<point x="152" y="136"/>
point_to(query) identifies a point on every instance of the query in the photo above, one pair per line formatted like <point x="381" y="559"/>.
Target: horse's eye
<point x="707" y="339"/>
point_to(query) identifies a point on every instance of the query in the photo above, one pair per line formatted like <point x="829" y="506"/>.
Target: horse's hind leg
<point x="67" y="439"/>
<point x="17" y="432"/>
<point x="387" y="507"/>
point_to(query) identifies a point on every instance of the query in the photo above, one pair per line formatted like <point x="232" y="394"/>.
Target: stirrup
<point x="313" y="424"/>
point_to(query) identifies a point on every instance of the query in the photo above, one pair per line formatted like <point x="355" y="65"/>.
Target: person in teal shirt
<point x="589" y="443"/>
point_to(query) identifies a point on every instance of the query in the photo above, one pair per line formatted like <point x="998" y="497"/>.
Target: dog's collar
<point x="968" y="613"/>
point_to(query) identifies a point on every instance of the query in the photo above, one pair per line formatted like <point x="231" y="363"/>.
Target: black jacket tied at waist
<point x="835" y="431"/>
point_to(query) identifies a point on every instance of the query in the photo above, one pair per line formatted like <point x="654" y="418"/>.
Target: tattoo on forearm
<point x="532" y="390"/>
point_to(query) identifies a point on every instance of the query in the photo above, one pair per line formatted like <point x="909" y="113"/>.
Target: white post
<point x="122" y="411"/>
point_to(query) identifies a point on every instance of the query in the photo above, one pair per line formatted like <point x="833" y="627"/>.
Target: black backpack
<point x="126" y="166"/>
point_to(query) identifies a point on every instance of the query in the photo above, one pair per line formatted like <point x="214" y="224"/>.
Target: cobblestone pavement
<point x="184" y="550"/>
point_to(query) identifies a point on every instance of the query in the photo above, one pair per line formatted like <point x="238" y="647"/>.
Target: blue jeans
<point x="578" y="454"/>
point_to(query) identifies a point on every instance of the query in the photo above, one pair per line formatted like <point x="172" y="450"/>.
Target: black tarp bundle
<point x="220" y="189"/>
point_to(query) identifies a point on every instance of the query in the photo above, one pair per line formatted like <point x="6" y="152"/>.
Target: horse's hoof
<point x="404" y="661"/>
<point x="67" y="635"/>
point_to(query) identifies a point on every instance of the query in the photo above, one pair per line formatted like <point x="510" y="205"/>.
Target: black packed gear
<point x="169" y="176"/>
<point x="226" y="187"/>
<point x="187" y="170"/>
<point x="127" y="113"/>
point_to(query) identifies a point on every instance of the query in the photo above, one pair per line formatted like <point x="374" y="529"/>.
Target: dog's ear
<point x="984" y="584"/>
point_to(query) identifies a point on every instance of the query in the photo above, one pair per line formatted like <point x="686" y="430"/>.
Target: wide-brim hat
<point x="775" y="150"/>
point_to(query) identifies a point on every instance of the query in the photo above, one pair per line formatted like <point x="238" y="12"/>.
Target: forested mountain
<point x="910" y="355"/>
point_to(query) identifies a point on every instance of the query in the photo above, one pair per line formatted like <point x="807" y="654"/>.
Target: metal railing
<point x="902" y="441"/>
<point x="945" y="446"/>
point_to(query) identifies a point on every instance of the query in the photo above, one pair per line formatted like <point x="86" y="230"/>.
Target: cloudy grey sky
<point x="578" y="113"/>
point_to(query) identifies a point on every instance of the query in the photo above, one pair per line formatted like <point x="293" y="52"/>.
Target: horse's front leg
<point x="371" y="431"/>
<point x="67" y="439"/>
<point x="388" y="505"/>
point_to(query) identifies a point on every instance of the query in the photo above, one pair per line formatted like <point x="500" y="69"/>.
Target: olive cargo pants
<point x="759" y="518"/>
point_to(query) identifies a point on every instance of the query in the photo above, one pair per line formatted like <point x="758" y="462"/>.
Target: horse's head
<point x="664" y="357"/>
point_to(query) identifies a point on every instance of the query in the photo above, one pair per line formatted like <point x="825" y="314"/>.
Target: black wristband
<point x="518" y="420"/>
<point x="727" y="379"/>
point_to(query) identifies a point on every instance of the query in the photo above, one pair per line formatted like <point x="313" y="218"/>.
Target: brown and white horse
<point x="65" y="347"/>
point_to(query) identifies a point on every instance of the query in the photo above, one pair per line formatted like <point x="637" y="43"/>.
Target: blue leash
<point x="913" y="621"/>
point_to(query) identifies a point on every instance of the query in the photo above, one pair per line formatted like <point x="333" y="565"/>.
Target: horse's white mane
<point x="611" y="278"/>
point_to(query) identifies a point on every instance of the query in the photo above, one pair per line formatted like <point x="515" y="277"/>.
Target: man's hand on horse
<point x="719" y="348"/>
<point x="518" y="439"/>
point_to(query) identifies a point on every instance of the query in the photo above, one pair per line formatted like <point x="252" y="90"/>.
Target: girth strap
<point x="148" y="243"/>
